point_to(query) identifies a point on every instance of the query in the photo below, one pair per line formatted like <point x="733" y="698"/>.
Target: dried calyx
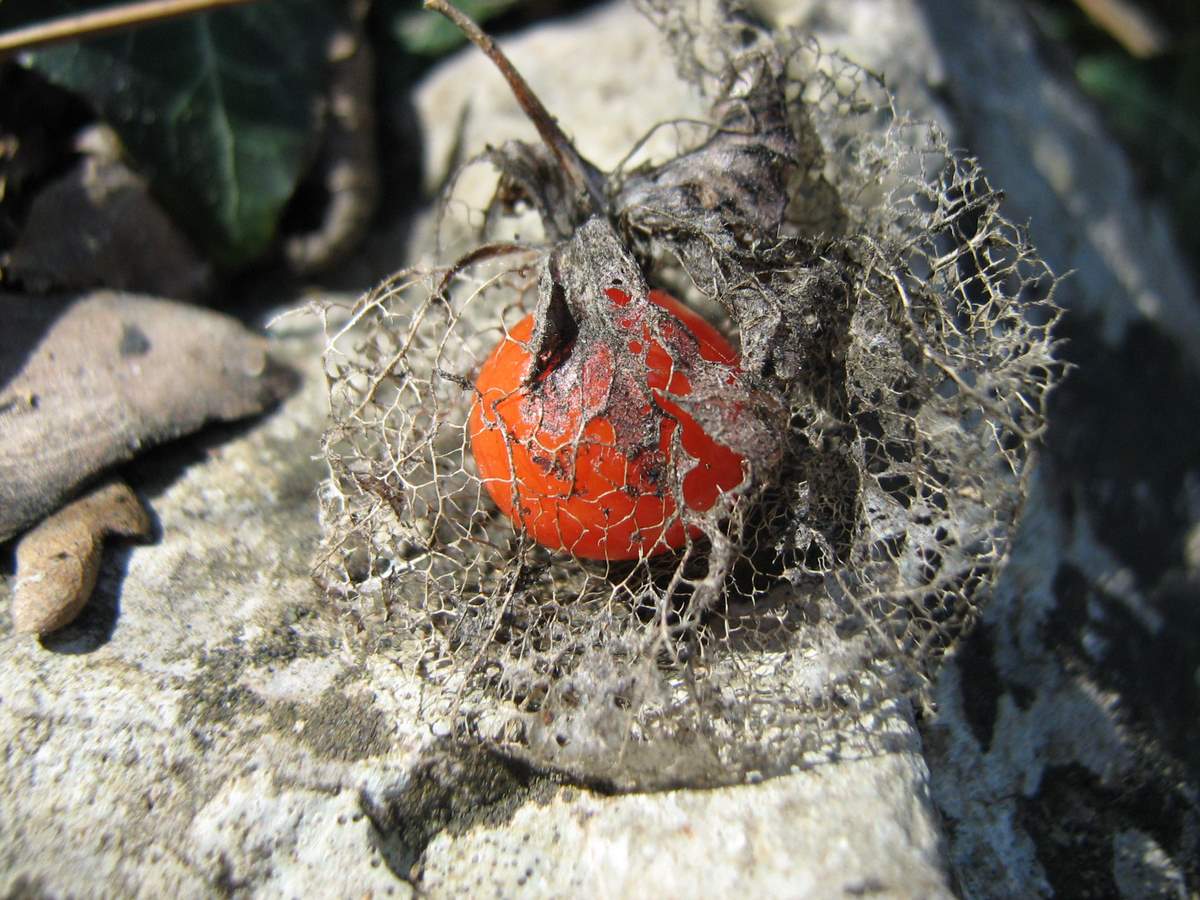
<point x="591" y="358"/>
<point x="719" y="208"/>
<point x="896" y="347"/>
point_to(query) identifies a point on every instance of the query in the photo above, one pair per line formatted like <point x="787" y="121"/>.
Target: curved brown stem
<point x="586" y="177"/>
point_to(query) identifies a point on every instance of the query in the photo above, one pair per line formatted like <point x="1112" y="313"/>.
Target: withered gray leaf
<point x="88" y="381"/>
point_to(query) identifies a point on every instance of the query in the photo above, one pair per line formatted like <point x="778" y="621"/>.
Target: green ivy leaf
<point x="218" y="110"/>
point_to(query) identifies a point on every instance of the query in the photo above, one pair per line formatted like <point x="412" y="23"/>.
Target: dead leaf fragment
<point x="57" y="562"/>
<point x="89" y="381"/>
<point x="98" y="225"/>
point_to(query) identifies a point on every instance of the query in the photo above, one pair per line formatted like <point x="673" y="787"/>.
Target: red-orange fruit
<point x="572" y="459"/>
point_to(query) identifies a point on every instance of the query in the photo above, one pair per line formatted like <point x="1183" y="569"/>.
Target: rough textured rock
<point x="198" y="730"/>
<point x="203" y="728"/>
<point x="87" y="381"/>
<point x="1059" y="755"/>
<point x="789" y="837"/>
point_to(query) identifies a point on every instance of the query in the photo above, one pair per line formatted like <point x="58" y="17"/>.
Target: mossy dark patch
<point x="1123" y="432"/>
<point x="453" y="789"/>
<point x="215" y="696"/>
<point x="336" y="727"/>
<point x="286" y="640"/>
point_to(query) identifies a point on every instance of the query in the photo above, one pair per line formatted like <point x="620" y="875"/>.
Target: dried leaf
<point x="57" y="562"/>
<point x="88" y="381"/>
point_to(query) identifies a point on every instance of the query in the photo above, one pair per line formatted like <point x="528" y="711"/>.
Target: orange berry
<point x="579" y="459"/>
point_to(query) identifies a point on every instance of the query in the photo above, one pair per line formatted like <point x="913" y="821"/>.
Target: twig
<point x="1133" y="28"/>
<point x="102" y="21"/>
<point x="580" y="172"/>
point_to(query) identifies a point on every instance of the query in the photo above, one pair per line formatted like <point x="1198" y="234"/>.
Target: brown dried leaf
<point x="88" y="381"/>
<point x="57" y="562"/>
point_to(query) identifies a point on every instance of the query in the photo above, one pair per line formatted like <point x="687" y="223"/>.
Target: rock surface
<point x="862" y="829"/>
<point x="197" y="725"/>
<point x="1060" y="759"/>
<point x="206" y="727"/>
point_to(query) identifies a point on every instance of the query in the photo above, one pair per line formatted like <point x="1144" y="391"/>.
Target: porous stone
<point x="857" y="827"/>
<point x="200" y="729"/>
<point x="205" y="727"/>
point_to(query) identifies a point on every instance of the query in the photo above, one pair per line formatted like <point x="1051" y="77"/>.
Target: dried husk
<point x="897" y="352"/>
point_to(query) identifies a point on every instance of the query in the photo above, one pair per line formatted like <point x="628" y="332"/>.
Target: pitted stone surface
<point x="205" y="727"/>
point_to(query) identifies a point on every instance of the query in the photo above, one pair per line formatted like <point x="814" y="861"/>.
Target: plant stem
<point x="585" y="176"/>
<point x="102" y="21"/>
<point x="1132" y="27"/>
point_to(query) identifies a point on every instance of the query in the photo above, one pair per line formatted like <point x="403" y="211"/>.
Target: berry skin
<point x="589" y="445"/>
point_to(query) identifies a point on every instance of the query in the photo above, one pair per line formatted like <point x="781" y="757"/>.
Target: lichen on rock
<point x="896" y="354"/>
